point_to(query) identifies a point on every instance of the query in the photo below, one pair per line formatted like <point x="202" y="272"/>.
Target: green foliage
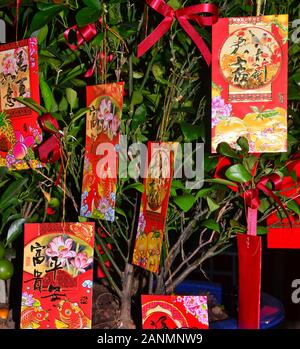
<point x="166" y="99"/>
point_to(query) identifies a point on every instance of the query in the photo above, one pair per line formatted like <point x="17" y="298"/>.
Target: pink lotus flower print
<point x="61" y="249"/>
<point x="109" y="121"/>
<point x="81" y="262"/>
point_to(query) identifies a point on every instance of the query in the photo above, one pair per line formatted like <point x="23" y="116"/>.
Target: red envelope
<point x="249" y="252"/>
<point x="172" y="312"/>
<point x="57" y="276"/>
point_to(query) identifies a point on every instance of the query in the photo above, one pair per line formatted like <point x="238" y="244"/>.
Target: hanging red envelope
<point x="19" y="129"/>
<point x="57" y="276"/>
<point x="249" y="254"/>
<point x="249" y="82"/>
<point x="280" y="233"/>
<point x="154" y="205"/>
<point x="101" y="154"/>
<point x="172" y="312"/>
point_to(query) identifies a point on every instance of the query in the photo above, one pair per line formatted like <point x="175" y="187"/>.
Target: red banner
<point x="154" y="205"/>
<point x="249" y="82"/>
<point x="19" y="129"/>
<point x="101" y="156"/>
<point x="249" y="253"/>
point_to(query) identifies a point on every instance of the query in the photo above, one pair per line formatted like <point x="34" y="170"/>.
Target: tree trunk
<point x="125" y="316"/>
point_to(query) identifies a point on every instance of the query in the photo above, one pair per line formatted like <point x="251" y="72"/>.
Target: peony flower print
<point x="141" y="224"/>
<point x="105" y="112"/>
<point x="220" y="110"/>
<point x="27" y="299"/>
<point x="9" y="65"/>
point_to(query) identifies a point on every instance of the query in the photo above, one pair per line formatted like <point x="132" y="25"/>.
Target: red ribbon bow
<point x="85" y="33"/>
<point x="50" y="150"/>
<point x="184" y="15"/>
<point x="252" y="201"/>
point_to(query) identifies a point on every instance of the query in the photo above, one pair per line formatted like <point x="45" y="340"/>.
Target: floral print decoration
<point x="195" y="305"/>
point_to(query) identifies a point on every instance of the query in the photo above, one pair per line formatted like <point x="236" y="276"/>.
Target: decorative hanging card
<point x="57" y="276"/>
<point x="101" y="154"/>
<point x="249" y="254"/>
<point x="172" y="312"/>
<point x="249" y="82"/>
<point x="154" y="205"/>
<point x="280" y="233"/>
<point x="19" y="129"/>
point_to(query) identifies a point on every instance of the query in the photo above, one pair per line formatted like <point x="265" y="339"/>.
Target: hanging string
<point x="18" y="4"/>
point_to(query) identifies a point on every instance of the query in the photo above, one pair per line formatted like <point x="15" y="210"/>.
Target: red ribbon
<point x="252" y="201"/>
<point x="85" y="33"/>
<point x="184" y="15"/>
<point x="50" y="150"/>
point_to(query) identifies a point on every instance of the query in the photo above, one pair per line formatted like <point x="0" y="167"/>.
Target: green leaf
<point x="12" y="190"/>
<point x="293" y="206"/>
<point x="14" y="230"/>
<point x="158" y="71"/>
<point x="30" y="103"/>
<point x="71" y="97"/>
<point x="42" y="34"/>
<point x="212" y="204"/>
<point x="262" y="230"/>
<point x="185" y="202"/>
<point x="191" y="132"/>
<point x="87" y="15"/>
<point x="264" y="205"/>
<point x="211" y="224"/>
<point x="63" y="104"/>
<point x="138" y="186"/>
<point x="137" y="98"/>
<point x="175" y="4"/>
<point x="238" y="173"/>
<point x="221" y="181"/>
<point x="44" y="17"/>
<point x="225" y="149"/>
<point x="138" y="75"/>
<point x="249" y="162"/>
<point x="120" y="212"/>
<point x="203" y="192"/>
<point x="92" y="3"/>
<point x="139" y="116"/>
<point x="243" y="143"/>
<point x="47" y="95"/>
<point x="296" y="78"/>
